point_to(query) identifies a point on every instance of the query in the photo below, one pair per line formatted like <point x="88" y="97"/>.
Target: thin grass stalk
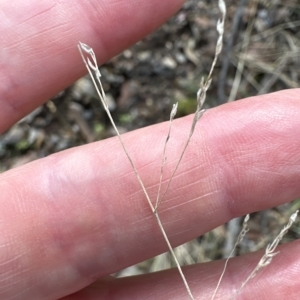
<point x="241" y="236"/>
<point x="201" y="94"/>
<point x="164" y="157"/>
<point x="241" y="62"/>
<point x="269" y="253"/>
<point x="93" y="67"/>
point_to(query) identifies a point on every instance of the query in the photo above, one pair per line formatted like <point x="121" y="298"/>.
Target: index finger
<point x="39" y="55"/>
<point x="80" y="214"/>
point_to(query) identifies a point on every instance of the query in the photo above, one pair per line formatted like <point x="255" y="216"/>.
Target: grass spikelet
<point x="269" y="253"/>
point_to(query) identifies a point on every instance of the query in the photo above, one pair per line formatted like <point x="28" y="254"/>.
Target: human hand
<point x="73" y="218"/>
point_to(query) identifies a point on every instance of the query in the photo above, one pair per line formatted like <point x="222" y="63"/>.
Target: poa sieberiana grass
<point x="90" y="61"/>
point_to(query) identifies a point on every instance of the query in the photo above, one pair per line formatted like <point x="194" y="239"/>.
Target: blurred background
<point x="260" y="55"/>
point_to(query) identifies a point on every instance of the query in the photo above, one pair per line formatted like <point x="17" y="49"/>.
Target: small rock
<point x="169" y="62"/>
<point x="30" y="117"/>
<point x="14" y="135"/>
<point x="111" y="103"/>
<point x="82" y="88"/>
<point x="127" y="53"/>
<point x="144" y="56"/>
<point x="180" y="58"/>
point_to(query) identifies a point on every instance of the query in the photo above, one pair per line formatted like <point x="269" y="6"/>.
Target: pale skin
<point x="69" y="220"/>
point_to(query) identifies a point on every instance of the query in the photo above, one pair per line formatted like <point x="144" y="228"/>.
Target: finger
<point x="80" y="214"/>
<point x="39" y="55"/>
<point x="277" y="281"/>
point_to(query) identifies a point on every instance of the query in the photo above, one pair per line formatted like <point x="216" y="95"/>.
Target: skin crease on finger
<point x="80" y="214"/>
<point x="38" y="51"/>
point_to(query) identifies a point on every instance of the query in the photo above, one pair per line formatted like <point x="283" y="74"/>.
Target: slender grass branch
<point x="94" y="72"/>
<point x="269" y="253"/>
<point x="241" y="236"/>
<point x="89" y="58"/>
<point x="201" y="94"/>
<point x="164" y="157"/>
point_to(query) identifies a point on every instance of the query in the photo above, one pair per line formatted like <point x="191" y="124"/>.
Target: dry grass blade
<point x="238" y="241"/>
<point x="94" y="72"/>
<point x="269" y="253"/>
<point x="92" y="67"/>
<point x="274" y="30"/>
<point x="226" y="62"/>
<point x="201" y="94"/>
<point x="241" y="63"/>
<point x="90" y="61"/>
<point x="164" y="157"/>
